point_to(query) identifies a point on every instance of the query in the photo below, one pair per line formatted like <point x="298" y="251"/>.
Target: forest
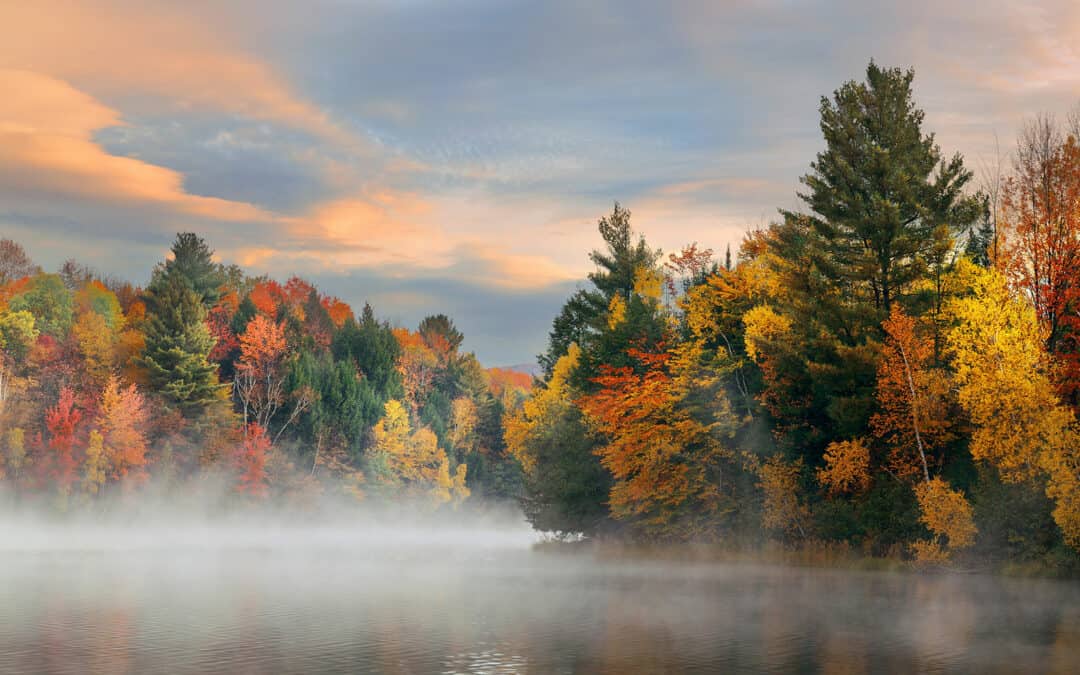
<point x="894" y="368"/>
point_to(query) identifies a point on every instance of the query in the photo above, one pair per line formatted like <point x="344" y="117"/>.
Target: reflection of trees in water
<point x="605" y="618"/>
<point x="1062" y="657"/>
<point x="633" y="638"/>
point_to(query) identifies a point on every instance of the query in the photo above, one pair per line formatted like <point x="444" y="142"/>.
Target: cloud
<point x="401" y="235"/>
<point x="432" y="149"/>
<point x="47" y="148"/>
<point x="127" y="51"/>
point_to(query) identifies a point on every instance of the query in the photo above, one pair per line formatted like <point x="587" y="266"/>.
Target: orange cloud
<point x="46" y="147"/>
<point x="114" y="49"/>
<point x="505" y="269"/>
<point x="401" y="234"/>
<point x="380" y="228"/>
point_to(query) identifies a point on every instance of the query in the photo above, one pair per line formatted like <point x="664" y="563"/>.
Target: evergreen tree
<point x="441" y="335"/>
<point x="192" y="261"/>
<point x="245" y="312"/>
<point x="178" y="345"/>
<point x="566" y="488"/>
<point x="884" y="208"/>
<point x="343" y="407"/>
<point x="981" y="236"/>
<point x="882" y="198"/>
<point x="584" y="314"/>
<point x="372" y="347"/>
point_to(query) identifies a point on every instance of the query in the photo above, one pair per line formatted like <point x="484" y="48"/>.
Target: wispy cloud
<point x="46" y="138"/>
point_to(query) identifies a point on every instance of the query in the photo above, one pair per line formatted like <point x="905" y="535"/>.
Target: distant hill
<point x="532" y="369"/>
<point x="510" y="376"/>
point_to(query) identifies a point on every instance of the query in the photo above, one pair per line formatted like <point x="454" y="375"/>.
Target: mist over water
<point x="468" y="593"/>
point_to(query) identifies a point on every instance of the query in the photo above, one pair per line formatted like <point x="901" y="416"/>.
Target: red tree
<point x="250" y="462"/>
<point x="1041" y="232"/>
<point x="62" y="421"/>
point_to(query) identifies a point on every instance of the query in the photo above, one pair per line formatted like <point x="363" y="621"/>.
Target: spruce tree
<point x="178" y="345"/>
<point x="192" y="259"/>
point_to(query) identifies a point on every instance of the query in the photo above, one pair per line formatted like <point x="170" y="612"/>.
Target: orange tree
<point x="665" y="424"/>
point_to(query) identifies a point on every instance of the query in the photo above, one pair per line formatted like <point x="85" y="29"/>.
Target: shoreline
<point x="817" y="555"/>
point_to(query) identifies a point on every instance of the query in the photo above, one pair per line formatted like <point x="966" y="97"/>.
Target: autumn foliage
<point x="250" y="462"/>
<point x="666" y="457"/>
<point x="62" y="422"/>
<point x="914" y="419"/>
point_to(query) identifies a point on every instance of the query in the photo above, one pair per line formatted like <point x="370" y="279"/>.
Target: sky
<point x="430" y="156"/>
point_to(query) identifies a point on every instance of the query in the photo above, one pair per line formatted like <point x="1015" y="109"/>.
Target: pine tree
<point x="585" y="312"/>
<point x="881" y="195"/>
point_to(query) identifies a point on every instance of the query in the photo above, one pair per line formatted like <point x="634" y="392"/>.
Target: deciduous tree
<point x="914" y="418"/>
<point x="121" y="420"/>
<point x="250" y="462"/>
<point x="62" y="422"/>
<point x="847" y="468"/>
<point x="667" y="455"/>
<point x="1002" y="374"/>
<point x="948" y="516"/>
<point x="14" y="262"/>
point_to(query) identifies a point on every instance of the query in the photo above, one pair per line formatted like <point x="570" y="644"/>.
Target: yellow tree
<point x="948" y="515"/>
<point x="782" y="509"/>
<point x="1003" y="376"/>
<point x="450" y="488"/>
<point x="94" y="465"/>
<point x="542" y="409"/>
<point x="97" y="345"/>
<point x="463" y="420"/>
<point x="15" y="455"/>
<point x="846" y="469"/>
<point x="412" y="460"/>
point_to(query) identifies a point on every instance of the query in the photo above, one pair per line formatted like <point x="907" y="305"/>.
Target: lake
<point x="388" y="600"/>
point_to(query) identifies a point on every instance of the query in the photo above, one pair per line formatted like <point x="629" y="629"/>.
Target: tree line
<point x="277" y="388"/>
<point x="894" y="366"/>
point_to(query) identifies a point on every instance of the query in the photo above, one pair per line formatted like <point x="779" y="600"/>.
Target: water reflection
<point x="509" y="611"/>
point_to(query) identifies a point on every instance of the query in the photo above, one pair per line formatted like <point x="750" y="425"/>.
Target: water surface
<point x="338" y="601"/>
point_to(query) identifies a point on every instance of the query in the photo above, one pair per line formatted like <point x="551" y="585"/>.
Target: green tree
<point x="441" y="336"/>
<point x="371" y="346"/>
<point x="584" y="314"/>
<point x="17" y="333"/>
<point x="50" y="302"/>
<point x="882" y="198"/>
<point x="566" y="488"/>
<point x="192" y="260"/>
<point x="178" y="344"/>
<point x="343" y="407"/>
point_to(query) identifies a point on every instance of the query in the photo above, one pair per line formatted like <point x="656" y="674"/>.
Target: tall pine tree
<point x="881" y="196"/>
